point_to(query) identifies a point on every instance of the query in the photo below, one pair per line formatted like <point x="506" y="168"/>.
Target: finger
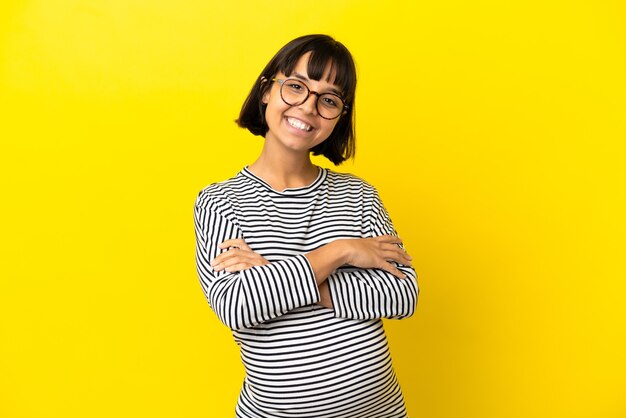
<point x="221" y="257"/>
<point x="392" y="247"/>
<point x="233" y="252"/>
<point x="233" y="267"/>
<point x="229" y="264"/>
<point x="397" y="254"/>
<point x="388" y="239"/>
<point x="403" y="262"/>
<point x="235" y="256"/>
<point x="238" y="267"/>
<point x="394" y="270"/>
<point x="236" y="242"/>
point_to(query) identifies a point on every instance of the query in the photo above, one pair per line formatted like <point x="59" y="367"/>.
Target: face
<point x="298" y="128"/>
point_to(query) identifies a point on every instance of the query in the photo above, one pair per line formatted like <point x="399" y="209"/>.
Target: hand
<point x="238" y="257"/>
<point x="377" y="252"/>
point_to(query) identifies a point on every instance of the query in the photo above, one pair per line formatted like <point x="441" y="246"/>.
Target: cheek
<point x="330" y="127"/>
<point x="325" y="132"/>
<point x="274" y="103"/>
<point x="273" y="113"/>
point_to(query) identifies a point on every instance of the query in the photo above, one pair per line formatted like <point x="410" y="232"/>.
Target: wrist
<point x="341" y="250"/>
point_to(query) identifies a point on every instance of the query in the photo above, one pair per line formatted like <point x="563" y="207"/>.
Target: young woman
<point x="303" y="262"/>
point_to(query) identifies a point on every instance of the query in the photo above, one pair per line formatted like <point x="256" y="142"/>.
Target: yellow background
<point x="494" y="131"/>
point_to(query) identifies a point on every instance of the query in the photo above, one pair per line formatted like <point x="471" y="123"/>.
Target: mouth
<point x="298" y="124"/>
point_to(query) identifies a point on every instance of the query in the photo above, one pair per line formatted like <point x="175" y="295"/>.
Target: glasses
<point x="295" y="92"/>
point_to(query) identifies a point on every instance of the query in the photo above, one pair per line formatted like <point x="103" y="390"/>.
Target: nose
<point x="310" y="106"/>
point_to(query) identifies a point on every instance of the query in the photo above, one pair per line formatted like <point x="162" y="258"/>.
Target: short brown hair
<point x="340" y="145"/>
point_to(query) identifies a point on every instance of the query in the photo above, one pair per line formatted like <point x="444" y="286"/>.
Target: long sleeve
<point x="302" y="359"/>
<point x="249" y="297"/>
<point x="373" y="293"/>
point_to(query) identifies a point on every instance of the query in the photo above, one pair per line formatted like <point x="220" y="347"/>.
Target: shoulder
<point x="350" y="183"/>
<point x="219" y="197"/>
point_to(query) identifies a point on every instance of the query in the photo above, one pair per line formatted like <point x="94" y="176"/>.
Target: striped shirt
<point x="302" y="359"/>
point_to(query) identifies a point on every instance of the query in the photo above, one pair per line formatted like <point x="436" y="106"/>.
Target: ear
<point x="266" y="96"/>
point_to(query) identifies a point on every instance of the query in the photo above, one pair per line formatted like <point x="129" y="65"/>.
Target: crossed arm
<point x="359" y="278"/>
<point x="377" y="252"/>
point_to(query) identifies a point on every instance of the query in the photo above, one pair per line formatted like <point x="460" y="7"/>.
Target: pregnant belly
<point x="309" y="363"/>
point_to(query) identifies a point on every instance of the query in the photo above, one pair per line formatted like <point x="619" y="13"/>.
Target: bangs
<point x="341" y="67"/>
<point x="324" y="53"/>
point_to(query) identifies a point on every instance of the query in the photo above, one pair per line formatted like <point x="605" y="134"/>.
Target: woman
<point x="303" y="262"/>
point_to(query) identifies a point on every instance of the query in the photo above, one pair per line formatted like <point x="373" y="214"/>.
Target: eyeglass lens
<point x="295" y="92"/>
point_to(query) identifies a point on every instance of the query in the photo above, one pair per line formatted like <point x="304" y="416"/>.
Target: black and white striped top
<point x="302" y="359"/>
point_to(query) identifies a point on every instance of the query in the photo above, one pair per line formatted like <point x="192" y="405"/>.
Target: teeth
<point x="299" y="124"/>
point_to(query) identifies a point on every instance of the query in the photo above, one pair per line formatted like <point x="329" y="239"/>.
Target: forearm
<point x="256" y="295"/>
<point x="382" y="285"/>
<point x="373" y="293"/>
<point x="326" y="259"/>
<point x="325" y="298"/>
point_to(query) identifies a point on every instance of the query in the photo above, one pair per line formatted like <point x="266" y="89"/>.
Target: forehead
<point x="315" y="69"/>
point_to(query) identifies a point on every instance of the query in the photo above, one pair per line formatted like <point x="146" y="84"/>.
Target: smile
<point x="298" y="124"/>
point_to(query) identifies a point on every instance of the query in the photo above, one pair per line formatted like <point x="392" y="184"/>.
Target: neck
<point x="284" y="170"/>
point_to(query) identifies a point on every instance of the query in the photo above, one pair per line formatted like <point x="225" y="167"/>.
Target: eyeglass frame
<point x="281" y="82"/>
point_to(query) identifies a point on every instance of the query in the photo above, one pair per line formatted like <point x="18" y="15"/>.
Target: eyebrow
<point x="303" y="78"/>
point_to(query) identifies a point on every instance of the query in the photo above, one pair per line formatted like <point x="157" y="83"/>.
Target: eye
<point x="330" y="101"/>
<point x="294" y="86"/>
